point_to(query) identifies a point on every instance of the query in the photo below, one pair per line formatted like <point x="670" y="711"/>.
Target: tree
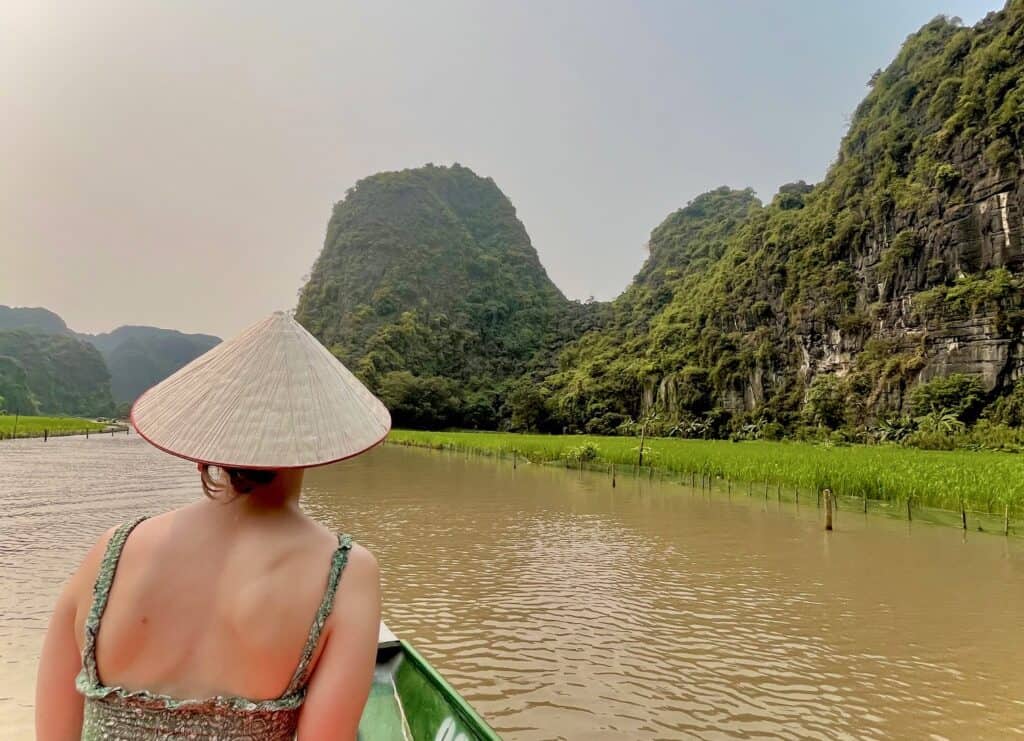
<point x="958" y="393"/>
<point x="826" y="402"/>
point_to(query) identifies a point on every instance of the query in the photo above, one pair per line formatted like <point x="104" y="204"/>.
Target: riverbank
<point x="983" y="488"/>
<point x="16" y="426"/>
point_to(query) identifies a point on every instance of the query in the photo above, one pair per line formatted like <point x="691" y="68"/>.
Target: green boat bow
<point x="411" y="701"/>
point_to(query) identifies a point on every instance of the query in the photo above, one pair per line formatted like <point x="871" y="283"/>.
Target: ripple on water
<point x="563" y="608"/>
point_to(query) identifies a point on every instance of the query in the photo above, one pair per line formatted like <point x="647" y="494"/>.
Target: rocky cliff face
<point x="829" y="306"/>
<point x="905" y="264"/>
<point x="969" y="234"/>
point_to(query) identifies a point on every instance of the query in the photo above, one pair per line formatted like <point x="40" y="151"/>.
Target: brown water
<point x="562" y="608"/>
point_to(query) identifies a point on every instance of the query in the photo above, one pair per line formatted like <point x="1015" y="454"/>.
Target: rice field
<point x="22" y="426"/>
<point x="882" y="476"/>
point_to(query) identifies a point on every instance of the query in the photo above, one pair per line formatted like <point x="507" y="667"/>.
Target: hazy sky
<point x="175" y="163"/>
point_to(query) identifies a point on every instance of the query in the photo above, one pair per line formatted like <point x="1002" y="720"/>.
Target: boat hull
<point x="411" y="701"/>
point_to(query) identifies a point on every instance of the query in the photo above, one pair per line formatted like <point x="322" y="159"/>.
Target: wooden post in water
<point x="865" y="501"/>
<point x="728" y="486"/>
<point x="86" y="433"/>
<point x="515" y="460"/>
<point x="909" y="516"/>
<point x="643" y="435"/>
<point x="766" y="489"/>
<point x="750" y="488"/>
<point x="1006" y="519"/>
<point x="46" y="435"/>
<point x="613" y="475"/>
<point x="828" y="509"/>
<point x="963" y="514"/>
<point x="797" y="496"/>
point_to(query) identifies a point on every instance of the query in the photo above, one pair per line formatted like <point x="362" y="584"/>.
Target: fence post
<point x="963" y="514"/>
<point x="613" y="475"/>
<point x="828" y="509"/>
<point x="1006" y="519"/>
<point x="909" y="516"/>
<point x="46" y="435"/>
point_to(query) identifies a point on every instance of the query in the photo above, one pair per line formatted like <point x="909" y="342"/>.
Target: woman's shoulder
<point x="358" y="594"/>
<point x="362" y="562"/>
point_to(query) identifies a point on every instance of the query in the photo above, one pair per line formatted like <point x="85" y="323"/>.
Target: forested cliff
<point x="893" y="287"/>
<point x="428" y="287"/>
<point x="46" y="368"/>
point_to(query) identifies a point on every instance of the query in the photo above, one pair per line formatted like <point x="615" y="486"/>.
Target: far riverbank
<point x="18" y="426"/>
<point x="983" y="488"/>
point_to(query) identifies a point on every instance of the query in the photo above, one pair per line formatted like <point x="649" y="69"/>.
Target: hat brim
<point x="271" y="398"/>
<point x="222" y="464"/>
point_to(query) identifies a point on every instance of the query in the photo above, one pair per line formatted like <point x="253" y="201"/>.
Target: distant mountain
<point x="52" y="373"/>
<point x="46" y="368"/>
<point x="31" y="319"/>
<point x="139" y="357"/>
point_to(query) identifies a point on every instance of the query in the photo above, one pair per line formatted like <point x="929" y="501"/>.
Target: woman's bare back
<point x="214" y="599"/>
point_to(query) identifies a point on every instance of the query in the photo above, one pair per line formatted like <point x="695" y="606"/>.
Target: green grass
<point x="885" y="475"/>
<point x="34" y="426"/>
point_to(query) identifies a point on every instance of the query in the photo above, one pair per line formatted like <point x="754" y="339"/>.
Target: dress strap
<point x="338" y="561"/>
<point x="101" y="593"/>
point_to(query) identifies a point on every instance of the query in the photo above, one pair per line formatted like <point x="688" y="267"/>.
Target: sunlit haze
<point x="175" y="164"/>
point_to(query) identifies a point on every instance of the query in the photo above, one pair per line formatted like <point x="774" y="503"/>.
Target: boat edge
<point x="450" y="694"/>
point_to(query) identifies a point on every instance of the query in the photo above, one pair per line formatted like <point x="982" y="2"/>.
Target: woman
<point x="236" y="616"/>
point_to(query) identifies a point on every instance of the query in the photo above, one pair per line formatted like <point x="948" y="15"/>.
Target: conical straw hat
<point x="273" y="397"/>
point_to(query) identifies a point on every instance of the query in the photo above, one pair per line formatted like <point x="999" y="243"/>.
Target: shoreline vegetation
<point x="18" y="426"/>
<point x="977" y="490"/>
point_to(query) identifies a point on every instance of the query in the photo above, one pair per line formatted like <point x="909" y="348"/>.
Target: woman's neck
<point x="280" y="495"/>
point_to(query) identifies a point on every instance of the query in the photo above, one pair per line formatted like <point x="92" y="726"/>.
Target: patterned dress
<point x="118" y="714"/>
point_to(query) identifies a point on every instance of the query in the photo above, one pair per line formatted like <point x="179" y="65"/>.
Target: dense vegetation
<point x="47" y="368"/>
<point x="821" y="313"/>
<point x="728" y="343"/>
<point x="429" y="289"/>
<point x="878" y="476"/>
<point x="52" y="374"/>
<point x="12" y="425"/>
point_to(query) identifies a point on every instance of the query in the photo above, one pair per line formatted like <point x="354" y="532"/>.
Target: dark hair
<point x="240" y="480"/>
